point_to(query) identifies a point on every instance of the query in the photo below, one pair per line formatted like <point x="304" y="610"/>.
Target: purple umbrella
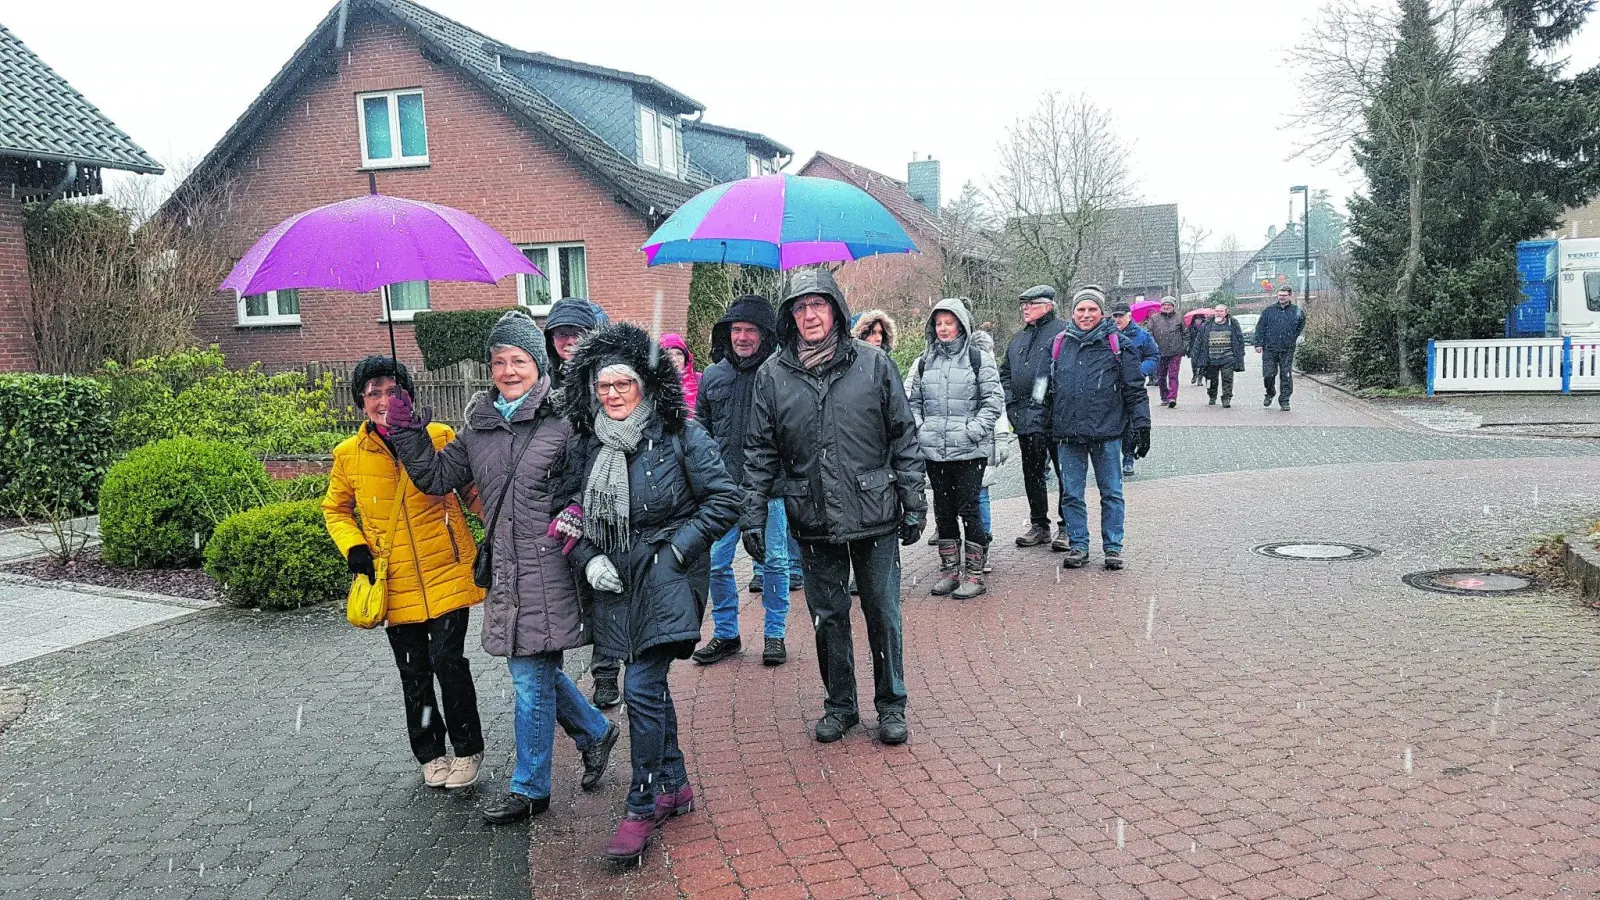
<point x="369" y="242"/>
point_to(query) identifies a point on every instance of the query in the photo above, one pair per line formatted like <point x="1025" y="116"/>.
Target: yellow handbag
<point x="368" y="602"/>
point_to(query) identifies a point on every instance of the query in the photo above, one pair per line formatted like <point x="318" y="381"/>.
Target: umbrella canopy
<point x="366" y="243"/>
<point x="1189" y="317"/>
<point x="1143" y="309"/>
<point x="779" y="222"/>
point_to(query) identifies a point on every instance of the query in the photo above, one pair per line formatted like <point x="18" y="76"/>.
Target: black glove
<point x="911" y="528"/>
<point x="360" y="563"/>
<point x="755" y="544"/>
<point x="1141" y="443"/>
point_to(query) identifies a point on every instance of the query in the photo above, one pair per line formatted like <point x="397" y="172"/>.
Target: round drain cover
<point x="1315" y="550"/>
<point x="1469" y="581"/>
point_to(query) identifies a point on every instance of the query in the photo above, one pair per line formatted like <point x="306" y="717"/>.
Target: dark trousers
<point x="1223" y="374"/>
<point x="424" y="651"/>
<point x="1278" y="363"/>
<point x="1038" y="463"/>
<point x="956" y="486"/>
<point x="652" y="731"/>
<point x="877" y="567"/>
<point x="603" y="668"/>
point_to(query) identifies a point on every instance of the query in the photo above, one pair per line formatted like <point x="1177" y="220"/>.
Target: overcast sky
<point x="1203" y="90"/>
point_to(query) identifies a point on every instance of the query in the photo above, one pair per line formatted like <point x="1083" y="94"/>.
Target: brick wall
<point x="16" y="334"/>
<point x="481" y="161"/>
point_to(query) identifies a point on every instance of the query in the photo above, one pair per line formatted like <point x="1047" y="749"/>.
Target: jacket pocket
<point x="878" y="503"/>
<point x="799" y="505"/>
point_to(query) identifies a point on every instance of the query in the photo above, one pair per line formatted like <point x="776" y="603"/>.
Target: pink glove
<point x="403" y="415"/>
<point x="569" y="524"/>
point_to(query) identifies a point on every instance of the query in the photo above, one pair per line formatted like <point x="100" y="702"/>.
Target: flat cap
<point x="1039" y="292"/>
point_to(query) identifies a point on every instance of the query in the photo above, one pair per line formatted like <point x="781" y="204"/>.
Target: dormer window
<point x="760" y="166"/>
<point x="658" y="141"/>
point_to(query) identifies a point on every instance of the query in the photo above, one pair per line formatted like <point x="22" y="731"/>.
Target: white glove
<point x="603" y="575"/>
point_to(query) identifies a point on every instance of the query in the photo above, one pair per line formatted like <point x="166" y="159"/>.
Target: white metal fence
<point x="1551" y="365"/>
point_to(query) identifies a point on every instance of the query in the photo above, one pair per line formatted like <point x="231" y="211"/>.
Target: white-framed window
<point x="649" y="137"/>
<point x="566" y="274"/>
<point x="669" y="145"/>
<point x="759" y="166"/>
<point x="1265" y="269"/>
<point x="394" y="129"/>
<point x="1300" y="267"/>
<point x="271" y="308"/>
<point x="407" y="298"/>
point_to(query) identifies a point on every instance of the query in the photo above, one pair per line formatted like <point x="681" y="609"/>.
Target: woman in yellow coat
<point x="430" y="552"/>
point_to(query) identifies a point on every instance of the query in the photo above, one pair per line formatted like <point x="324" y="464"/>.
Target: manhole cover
<point x="1318" y="550"/>
<point x="1468" y="581"/>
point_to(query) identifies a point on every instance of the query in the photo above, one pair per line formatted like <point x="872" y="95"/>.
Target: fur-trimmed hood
<point x="871" y="317"/>
<point x="630" y="344"/>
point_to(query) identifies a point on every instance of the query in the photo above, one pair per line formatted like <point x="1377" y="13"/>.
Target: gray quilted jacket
<point x="956" y="411"/>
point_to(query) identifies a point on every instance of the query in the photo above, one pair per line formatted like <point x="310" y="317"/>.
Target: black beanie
<point x="375" y="367"/>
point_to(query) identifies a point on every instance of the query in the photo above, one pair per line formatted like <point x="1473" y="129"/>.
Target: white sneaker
<point x="436" y="772"/>
<point x="464" y="771"/>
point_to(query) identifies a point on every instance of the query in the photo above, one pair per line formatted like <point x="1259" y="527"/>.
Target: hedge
<point x="277" y="557"/>
<point x="55" y="444"/>
<point x="161" y="502"/>
<point x="447" y="337"/>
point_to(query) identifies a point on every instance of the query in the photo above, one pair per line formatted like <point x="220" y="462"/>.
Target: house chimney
<point x="922" y="181"/>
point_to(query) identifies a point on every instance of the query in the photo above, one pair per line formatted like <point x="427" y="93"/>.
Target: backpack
<point x="974" y="356"/>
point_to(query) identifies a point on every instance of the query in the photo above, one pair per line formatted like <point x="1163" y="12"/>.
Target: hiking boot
<point x="1034" y="536"/>
<point x="1061" y="541"/>
<point x="1266" y="402"/>
<point x="606" y="694"/>
<point x="464" y="771"/>
<point x="597" y="756"/>
<point x="1113" y="559"/>
<point x="755" y="584"/>
<point x="435" y="771"/>
<point x="1283" y="406"/>
<point x="972" y="582"/>
<point x="678" y="803"/>
<point x="1211" y="401"/>
<point x="513" y="808"/>
<point x="892" y="727"/>
<point x="774" y="653"/>
<point x="632" y="837"/>
<point x="796" y="584"/>
<point x="717" y="649"/>
<point x="833" y="725"/>
<point x="949" y="567"/>
<point x="1127" y="470"/>
<point x="1172" y="404"/>
<point x="1075" y="559"/>
<point x="1227" y="403"/>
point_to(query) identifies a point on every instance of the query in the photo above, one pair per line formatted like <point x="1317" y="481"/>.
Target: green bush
<point x="302" y="487"/>
<point x="161" y="502"/>
<point x="447" y="337"/>
<point x="1320" y="353"/>
<point x="55" y="444"/>
<point x="710" y="294"/>
<point x="277" y="557"/>
<point x="194" y="394"/>
<point x="909" y="345"/>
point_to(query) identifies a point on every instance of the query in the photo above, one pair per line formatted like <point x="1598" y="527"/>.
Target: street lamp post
<point x="1305" y="233"/>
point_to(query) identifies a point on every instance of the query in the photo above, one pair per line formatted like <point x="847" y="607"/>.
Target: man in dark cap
<point x="1025" y="376"/>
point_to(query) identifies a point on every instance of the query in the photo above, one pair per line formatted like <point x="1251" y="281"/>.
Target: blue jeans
<point x="652" y="730"/>
<point x="983" y="512"/>
<point x="545" y="696"/>
<point x="1073" y="461"/>
<point x="774" y="579"/>
<point x="797" y="574"/>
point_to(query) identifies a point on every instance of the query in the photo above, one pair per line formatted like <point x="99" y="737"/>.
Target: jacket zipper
<point x="455" y="548"/>
<point x="411" y="535"/>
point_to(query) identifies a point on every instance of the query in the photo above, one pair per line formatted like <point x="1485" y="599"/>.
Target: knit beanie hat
<point x="516" y="329"/>
<point x="374" y="367"/>
<point x="1090" y="292"/>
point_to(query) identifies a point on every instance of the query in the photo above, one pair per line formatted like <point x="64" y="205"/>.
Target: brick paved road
<point x="1207" y="723"/>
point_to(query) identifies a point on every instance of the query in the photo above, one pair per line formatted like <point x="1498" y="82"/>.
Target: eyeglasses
<point x="806" y="306"/>
<point x="621" y="388"/>
<point x="1040" y="301"/>
<point x="375" y="393"/>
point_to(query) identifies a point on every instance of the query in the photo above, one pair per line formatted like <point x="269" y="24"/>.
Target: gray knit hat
<point x="1090" y="292"/>
<point x="516" y="329"/>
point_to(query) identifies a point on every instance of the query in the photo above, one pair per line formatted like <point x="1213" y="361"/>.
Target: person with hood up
<point x="1025" y="375"/>
<point x="832" y="434"/>
<point x="1097" y="395"/>
<point x="877" y="328"/>
<point x="1149" y="354"/>
<point x="957" y="400"/>
<point x="371" y="507"/>
<point x="741" y="341"/>
<point x="514" y="449"/>
<point x="677" y="350"/>
<point x="1166" y="326"/>
<point x="1218" y="353"/>
<point x="655" y="498"/>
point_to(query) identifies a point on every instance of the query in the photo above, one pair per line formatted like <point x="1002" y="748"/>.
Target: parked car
<point x="1247" y="324"/>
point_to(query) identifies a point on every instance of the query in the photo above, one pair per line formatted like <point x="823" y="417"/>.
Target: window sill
<point x="400" y="318"/>
<point x="268" y="323"/>
<point x="380" y="165"/>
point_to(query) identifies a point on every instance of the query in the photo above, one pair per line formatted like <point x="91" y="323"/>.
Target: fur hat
<point x="871" y="317"/>
<point x="630" y="345"/>
<point x="375" y="367"/>
<point x="517" y="329"/>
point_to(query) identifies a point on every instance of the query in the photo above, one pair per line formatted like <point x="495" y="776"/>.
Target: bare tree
<point x="1190" y="239"/>
<point x="1229" y="259"/>
<point x="1062" y="167"/>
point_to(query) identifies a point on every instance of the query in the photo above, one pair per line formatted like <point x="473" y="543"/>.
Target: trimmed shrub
<point x="302" y="487"/>
<point x="277" y="557"/>
<point x="55" y="444"/>
<point x="161" y="502"/>
<point x="447" y="337"/>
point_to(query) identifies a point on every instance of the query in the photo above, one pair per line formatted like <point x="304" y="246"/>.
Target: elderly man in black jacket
<point x="1023" y="375"/>
<point x="832" y="434"/>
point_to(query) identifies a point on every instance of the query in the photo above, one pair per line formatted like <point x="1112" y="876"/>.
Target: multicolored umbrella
<point x="778" y="222"/>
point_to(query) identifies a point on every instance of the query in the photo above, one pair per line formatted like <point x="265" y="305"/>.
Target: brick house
<point x="53" y="144"/>
<point x="575" y="163"/>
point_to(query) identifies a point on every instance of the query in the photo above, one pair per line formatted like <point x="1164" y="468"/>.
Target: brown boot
<point x="972" y="585"/>
<point x="949" y="566"/>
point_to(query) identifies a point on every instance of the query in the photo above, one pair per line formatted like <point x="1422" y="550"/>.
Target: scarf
<point x="508" y="408"/>
<point x="605" y="497"/>
<point x="814" y="355"/>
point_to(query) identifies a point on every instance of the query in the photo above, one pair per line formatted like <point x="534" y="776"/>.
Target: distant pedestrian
<point x="374" y="513"/>
<point x="1166" y="326"/>
<point x="1277" y="332"/>
<point x="832" y="434"/>
<point x="1097" y="396"/>
<point x="655" y="498"/>
<point x="678" y="353"/>
<point x="1137" y="339"/>
<point x="1025" y="376"/>
<point x="1194" y="322"/>
<point x="876" y="328"/>
<point x="743" y="339"/>
<point x="956" y="398"/>
<point x="1219" y="353"/>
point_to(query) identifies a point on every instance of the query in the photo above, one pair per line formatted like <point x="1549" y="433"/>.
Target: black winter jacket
<point x="727" y="389"/>
<point x="1200" y="356"/>
<point x="839" y="444"/>
<point x="1027" y="361"/>
<point x="1279" y="327"/>
<point x="1095" y="394"/>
